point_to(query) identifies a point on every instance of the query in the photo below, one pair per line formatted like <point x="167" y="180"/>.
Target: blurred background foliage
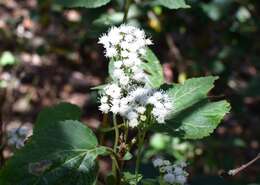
<point x="49" y="54"/>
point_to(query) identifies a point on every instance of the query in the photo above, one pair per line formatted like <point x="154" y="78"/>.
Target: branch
<point x="235" y="171"/>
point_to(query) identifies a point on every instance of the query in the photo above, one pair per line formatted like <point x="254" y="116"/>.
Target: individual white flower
<point x="169" y="178"/>
<point x="124" y="106"/>
<point x="115" y="109"/>
<point x="142" y="51"/>
<point x="113" y="90"/>
<point x="124" y="80"/>
<point x="118" y="64"/>
<point x="104" y="107"/>
<point x="148" y="42"/>
<point x="17" y="136"/>
<point x="152" y="100"/>
<point x="111" y="52"/>
<point x="118" y="73"/>
<point x="114" y="35"/>
<point x="132" y="115"/>
<point x="129" y="38"/>
<point x="141" y="109"/>
<point x="133" y="123"/>
<point x="158" y="95"/>
<point x="124" y="45"/>
<point x="103" y="99"/>
<point x="124" y="53"/>
<point x="104" y="40"/>
<point x="182" y="164"/>
<point x="158" y="162"/>
<point x="128" y="62"/>
<point x="180" y="179"/>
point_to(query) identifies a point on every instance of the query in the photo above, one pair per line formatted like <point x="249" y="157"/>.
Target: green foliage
<point x="203" y="119"/>
<point x="154" y="69"/>
<point x="128" y="156"/>
<point x="194" y="117"/>
<point x="61" y="151"/>
<point x="60" y="112"/>
<point x="172" y="4"/>
<point x="130" y="179"/>
<point x="190" y="92"/>
<point x="82" y="3"/>
<point x="7" y="58"/>
<point x="109" y="19"/>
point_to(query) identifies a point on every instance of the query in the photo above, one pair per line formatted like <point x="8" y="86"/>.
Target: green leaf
<point x="99" y="87"/>
<point x="128" y="156"/>
<point x="109" y="19"/>
<point x="59" y="153"/>
<point x="153" y="68"/>
<point x="202" y="121"/>
<point x="61" y="112"/>
<point x="130" y="179"/>
<point x="7" y="58"/>
<point x="192" y="91"/>
<point x="193" y="117"/>
<point x="172" y="4"/>
<point x="82" y="3"/>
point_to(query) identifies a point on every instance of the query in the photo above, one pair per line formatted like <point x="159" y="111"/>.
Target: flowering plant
<point x="64" y="151"/>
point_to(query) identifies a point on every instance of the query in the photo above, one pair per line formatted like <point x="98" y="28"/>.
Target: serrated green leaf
<point x="192" y="91"/>
<point x="59" y="152"/>
<point x="204" y="119"/>
<point x="153" y="68"/>
<point x="82" y="3"/>
<point x="193" y="116"/>
<point x="172" y="4"/>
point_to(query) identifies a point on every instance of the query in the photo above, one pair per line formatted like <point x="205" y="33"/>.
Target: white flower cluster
<point x="126" y="45"/>
<point x="17" y="136"/>
<point x="172" y="173"/>
<point x="127" y="95"/>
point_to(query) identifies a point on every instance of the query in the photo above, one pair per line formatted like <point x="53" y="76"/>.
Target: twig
<point x="235" y="171"/>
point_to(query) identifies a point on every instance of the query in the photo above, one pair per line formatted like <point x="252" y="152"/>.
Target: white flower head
<point x="180" y="179"/>
<point x="113" y="90"/>
<point x="133" y="123"/>
<point x="169" y="178"/>
<point x="158" y="162"/>
<point x="104" y="107"/>
<point x="128" y="94"/>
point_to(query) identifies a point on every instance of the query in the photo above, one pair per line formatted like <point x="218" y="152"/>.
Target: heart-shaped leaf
<point x="60" y="152"/>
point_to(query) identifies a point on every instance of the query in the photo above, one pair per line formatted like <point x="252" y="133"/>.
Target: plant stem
<point x="115" y="171"/>
<point x="126" y="9"/>
<point x="141" y="136"/>
<point x="116" y="133"/>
